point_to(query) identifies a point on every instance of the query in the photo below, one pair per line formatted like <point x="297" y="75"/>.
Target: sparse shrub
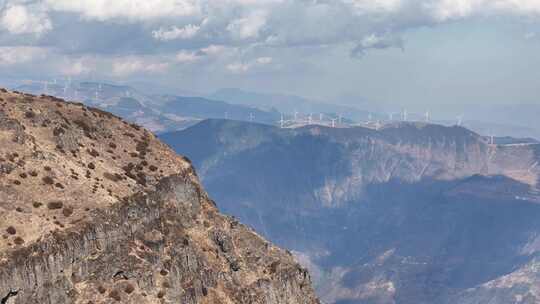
<point x="47" y="168"/>
<point x="161" y="294"/>
<point x="93" y="152"/>
<point x="114" y="294"/>
<point x="18" y="240"/>
<point x="153" y="168"/>
<point x="59" y="185"/>
<point x="91" y="166"/>
<point x="58" y="131"/>
<point x="55" y="205"/>
<point x="112" y="177"/>
<point x="48" y="180"/>
<point x="37" y="204"/>
<point x="67" y="211"/>
<point x="11" y="230"/>
<point x="33" y="173"/>
<point x="101" y="289"/>
<point x="16" y="182"/>
<point x="129" y="288"/>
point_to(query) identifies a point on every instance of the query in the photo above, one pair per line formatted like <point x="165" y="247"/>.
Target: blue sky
<point x="417" y="53"/>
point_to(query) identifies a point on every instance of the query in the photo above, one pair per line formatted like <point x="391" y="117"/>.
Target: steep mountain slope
<point x="412" y="213"/>
<point x="96" y="210"/>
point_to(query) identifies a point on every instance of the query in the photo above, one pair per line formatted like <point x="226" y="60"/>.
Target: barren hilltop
<point x="96" y="210"/>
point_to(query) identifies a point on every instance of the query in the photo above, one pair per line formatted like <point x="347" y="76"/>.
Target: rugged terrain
<point x="410" y="213"/>
<point x="97" y="210"/>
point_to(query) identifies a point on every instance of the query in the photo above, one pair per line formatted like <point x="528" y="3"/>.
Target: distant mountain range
<point x="289" y="104"/>
<point x="159" y="113"/>
<point x="411" y="213"/>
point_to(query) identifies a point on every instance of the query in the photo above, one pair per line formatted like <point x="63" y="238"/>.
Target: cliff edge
<point x="96" y="210"/>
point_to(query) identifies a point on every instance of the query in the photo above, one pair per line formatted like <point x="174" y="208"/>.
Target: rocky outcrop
<point x="95" y="210"/>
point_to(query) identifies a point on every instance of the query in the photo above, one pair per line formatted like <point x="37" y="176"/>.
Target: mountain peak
<point x="96" y="209"/>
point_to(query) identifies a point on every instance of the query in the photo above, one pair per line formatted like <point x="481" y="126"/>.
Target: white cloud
<point x="242" y="67"/>
<point x="374" y="6"/>
<point x="214" y="50"/>
<point x="186" y="57"/>
<point x="18" y="19"/>
<point x="20" y="55"/>
<point x="129" y="9"/>
<point x="132" y="65"/>
<point x="264" y="60"/>
<point x="377" y="41"/>
<point x="78" y="67"/>
<point x="186" y="32"/>
<point x="249" y="26"/>
<point x="238" y="67"/>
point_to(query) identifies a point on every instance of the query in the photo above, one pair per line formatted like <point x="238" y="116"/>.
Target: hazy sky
<point x="407" y="52"/>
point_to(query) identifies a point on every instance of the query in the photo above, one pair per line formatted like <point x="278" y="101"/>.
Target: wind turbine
<point x="320" y="117"/>
<point x="310" y="118"/>
<point x="65" y="89"/>
<point x="378" y="125"/>
<point x="428" y="116"/>
<point x="251" y="117"/>
<point x="333" y="122"/>
<point x="405" y="114"/>
<point x="459" y="120"/>
<point x="282" y="121"/>
<point x="295" y="116"/>
<point x="391" y="116"/>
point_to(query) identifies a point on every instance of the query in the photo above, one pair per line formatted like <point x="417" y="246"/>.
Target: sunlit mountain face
<point x="410" y="213"/>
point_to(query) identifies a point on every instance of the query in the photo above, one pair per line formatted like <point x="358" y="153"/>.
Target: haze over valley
<point x="269" y="152"/>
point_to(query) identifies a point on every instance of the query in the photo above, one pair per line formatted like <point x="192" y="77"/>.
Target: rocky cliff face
<point x="411" y="213"/>
<point x="96" y="210"/>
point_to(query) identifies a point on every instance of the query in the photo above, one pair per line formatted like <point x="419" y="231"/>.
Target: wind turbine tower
<point x="378" y="125"/>
<point x="295" y="116"/>
<point x="282" y="121"/>
<point x="459" y="120"/>
<point x="251" y="117"/>
<point x="333" y="122"/>
<point x="320" y="117"/>
<point x="428" y="116"/>
<point x="310" y="118"/>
